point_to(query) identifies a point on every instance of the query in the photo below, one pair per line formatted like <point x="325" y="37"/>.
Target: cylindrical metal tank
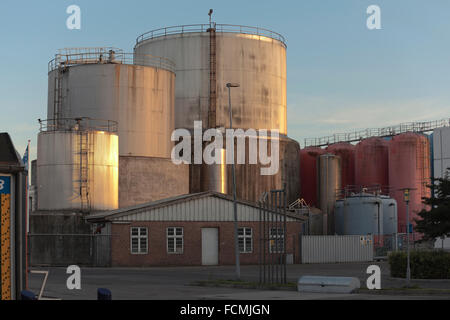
<point x="409" y="167"/>
<point x="329" y="176"/>
<point x="139" y="97"/>
<point x="347" y="153"/>
<point x="308" y="174"/>
<point x="390" y="219"/>
<point x="250" y="183"/>
<point x="366" y="213"/>
<point x="360" y="215"/>
<point x="214" y="176"/>
<point x="77" y="170"/>
<point x="208" y="58"/>
<point x="371" y="162"/>
<point x="339" y="217"/>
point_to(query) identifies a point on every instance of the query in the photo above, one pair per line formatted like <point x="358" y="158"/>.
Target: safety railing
<point x="77" y="124"/>
<point x="361" y="191"/>
<point x="226" y="28"/>
<point x="108" y="55"/>
<point x="417" y="127"/>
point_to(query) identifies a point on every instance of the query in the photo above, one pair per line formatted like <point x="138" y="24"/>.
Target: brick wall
<point x="192" y="253"/>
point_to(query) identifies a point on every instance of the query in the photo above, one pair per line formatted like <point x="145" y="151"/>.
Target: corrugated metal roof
<point x="204" y="206"/>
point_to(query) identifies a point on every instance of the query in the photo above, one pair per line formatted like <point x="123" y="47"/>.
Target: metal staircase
<point x="84" y="154"/>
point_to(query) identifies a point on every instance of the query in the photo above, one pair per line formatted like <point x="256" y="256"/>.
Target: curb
<point x="241" y="286"/>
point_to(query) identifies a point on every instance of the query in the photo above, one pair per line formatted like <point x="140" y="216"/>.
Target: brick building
<point x="193" y="229"/>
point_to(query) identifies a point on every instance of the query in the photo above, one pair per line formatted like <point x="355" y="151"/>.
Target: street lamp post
<point x="406" y="192"/>
<point x="236" y="243"/>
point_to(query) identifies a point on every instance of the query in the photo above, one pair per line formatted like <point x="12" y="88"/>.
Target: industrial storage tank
<point x="207" y="57"/>
<point x="214" y="176"/>
<point x="409" y="167"/>
<point x="390" y="217"/>
<point x="329" y="175"/>
<point x="77" y="166"/>
<point x="347" y="153"/>
<point x="308" y="174"/>
<point x="136" y="91"/>
<point x="250" y="183"/>
<point x="359" y="215"/>
<point x="371" y="163"/>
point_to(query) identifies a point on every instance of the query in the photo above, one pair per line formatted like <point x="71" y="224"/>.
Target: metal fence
<point x="66" y="249"/>
<point x="272" y="237"/>
<point x="384" y="244"/>
<point x="77" y="56"/>
<point x="335" y="249"/>
<point x="418" y="127"/>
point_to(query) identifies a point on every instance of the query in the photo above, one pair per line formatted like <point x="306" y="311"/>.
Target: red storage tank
<point x="409" y="167"/>
<point x="308" y="174"/>
<point x="347" y="153"/>
<point x="371" y="162"/>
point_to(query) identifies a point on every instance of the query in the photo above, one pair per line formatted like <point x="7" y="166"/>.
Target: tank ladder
<point x="84" y="153"/>
<point x="212" y="78"/>
<point x="58" y="96"/>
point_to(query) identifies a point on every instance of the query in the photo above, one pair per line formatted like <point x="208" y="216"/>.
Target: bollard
<point x="27" y="295"/>
<point x="103" y="294"/>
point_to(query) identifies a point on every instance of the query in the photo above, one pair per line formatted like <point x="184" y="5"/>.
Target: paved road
<point x="173" y="282"/>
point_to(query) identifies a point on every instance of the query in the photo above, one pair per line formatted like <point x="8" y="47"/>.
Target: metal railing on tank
<point x="417" y="127"/>
<point x="360" y="191"/>
<point x="106" y="55"/>
<point x="225" y="28"/>
<point x="77" y="124"/>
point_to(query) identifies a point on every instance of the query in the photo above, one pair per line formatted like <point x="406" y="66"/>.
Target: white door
<point x="210" y="246"/>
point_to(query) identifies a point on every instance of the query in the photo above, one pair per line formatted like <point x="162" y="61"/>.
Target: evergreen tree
<point x="435" y="222"/>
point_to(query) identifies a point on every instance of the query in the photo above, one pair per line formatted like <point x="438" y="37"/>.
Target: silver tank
<point x="359" y="215"/>
<point x="214" y="176"/>
<point x="390" y="219"/>
<point x="329" y="178"/>
<point x="253" y="57"/>
<point x="69" y="179"/>
<point x="103" y="86"/>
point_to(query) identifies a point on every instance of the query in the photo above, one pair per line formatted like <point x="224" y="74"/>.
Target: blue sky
<point x="341" y="76"/>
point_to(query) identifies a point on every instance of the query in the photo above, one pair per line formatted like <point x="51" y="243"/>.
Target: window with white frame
<point x="139" y="240"/>
<point x="175" y="240"/>
<point x="276" y="240"/>
<point x="245" y="240"/>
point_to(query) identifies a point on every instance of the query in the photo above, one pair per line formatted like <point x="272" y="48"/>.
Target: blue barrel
<point x="103" y="294"/>
<point x="27" y="295"/>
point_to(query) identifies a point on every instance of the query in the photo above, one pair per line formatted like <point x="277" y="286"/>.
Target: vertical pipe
<point x="264" y="239"/>
<point x="260" y="243"/>
<point x="285" y="232"/>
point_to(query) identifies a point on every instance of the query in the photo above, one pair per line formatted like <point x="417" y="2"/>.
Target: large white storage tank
<point x="441" y="151"/>
<point x="136" y="91"/>
<point x="208" y="58"/>
<point x="78" y="169"/>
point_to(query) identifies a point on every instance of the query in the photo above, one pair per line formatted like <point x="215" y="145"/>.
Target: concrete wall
<point x="143" y="179"/>
<point x="192" y="254"/>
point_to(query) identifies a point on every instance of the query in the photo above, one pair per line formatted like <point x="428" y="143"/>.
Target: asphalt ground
<point x="175" y="283"/>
